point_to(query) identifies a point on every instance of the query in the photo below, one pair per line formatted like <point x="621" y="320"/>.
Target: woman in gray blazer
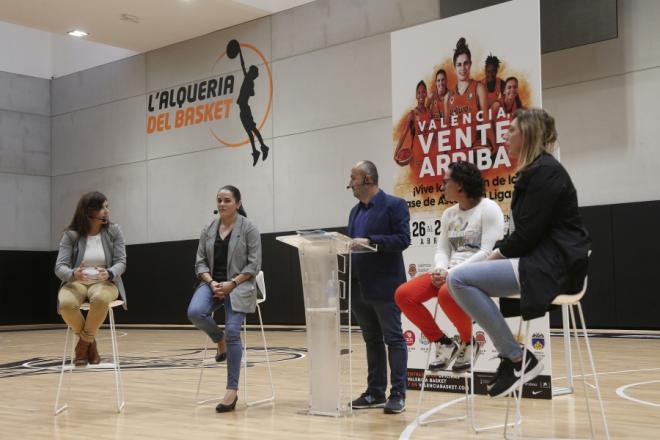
<point x="90" y="262"/>
<point x="228" y="260"/>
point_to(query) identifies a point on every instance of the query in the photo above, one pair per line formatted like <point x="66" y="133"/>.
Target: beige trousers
<point x="71" y="297"/>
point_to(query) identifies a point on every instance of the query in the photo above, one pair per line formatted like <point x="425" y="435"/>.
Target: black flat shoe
<point x="222" y="408"/>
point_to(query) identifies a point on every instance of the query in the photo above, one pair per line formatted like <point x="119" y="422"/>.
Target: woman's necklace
<point x="225" y="230"/>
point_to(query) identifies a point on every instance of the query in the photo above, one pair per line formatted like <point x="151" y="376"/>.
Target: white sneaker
<point x="463" y="358"/>
<point x="444" y="354"/>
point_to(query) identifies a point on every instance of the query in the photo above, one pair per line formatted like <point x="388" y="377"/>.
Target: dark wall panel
<point x="564" y="23"/>
<point x="160" y="277"/>
<point x="27" y="284"/>
<point x="636" y="264"/>
<point x="159" y="282"/>
<point x="599" y="302"/>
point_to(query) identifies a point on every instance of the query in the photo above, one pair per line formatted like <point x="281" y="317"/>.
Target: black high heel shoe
<point x="222" y="408"/>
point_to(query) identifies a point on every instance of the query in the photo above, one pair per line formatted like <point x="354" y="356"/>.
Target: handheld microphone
<point x="215" y="211"/>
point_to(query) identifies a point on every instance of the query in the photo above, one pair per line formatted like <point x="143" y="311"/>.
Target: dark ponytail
<point x="236" y="193"/>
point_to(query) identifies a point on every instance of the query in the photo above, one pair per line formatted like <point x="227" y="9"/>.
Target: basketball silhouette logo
<point x="247" y="90"/>
<point x="233" y="48"/>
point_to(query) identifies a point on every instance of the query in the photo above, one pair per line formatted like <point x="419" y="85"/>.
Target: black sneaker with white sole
<point x="395" y="404"/>
<point x="498" y="372"/>
<point x="366" y="401"/>
<point x="510" y="374"/>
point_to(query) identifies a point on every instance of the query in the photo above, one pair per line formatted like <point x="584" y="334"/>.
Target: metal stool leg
<point x="418" y="418"/>
<point x="201" y="369"/>
<point x="573" y="325"/>
<point x="270" y="398"/>
<point x="593" y="371"/>
<point x="471" y="407"/>
<point x="568" y="358"/>
<point x="517" y="396"/>
<point x="574" y="328"/>
<point x="582" y="372"/>
<point x="119" y="384"/>
<point x="421" y="391"/>
<point x="58" y="409"/>
<point x="201" y="374"/>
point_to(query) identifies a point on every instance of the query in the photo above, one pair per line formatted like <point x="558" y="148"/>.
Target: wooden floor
<point x="160" y="379"/>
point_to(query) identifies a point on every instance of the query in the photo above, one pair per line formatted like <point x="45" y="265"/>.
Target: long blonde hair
<point x="539" y="135"/>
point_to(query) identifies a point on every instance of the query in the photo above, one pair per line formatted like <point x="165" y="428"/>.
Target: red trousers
<point x="411" y="296"/>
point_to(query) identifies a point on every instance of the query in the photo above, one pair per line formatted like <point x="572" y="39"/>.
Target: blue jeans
<point x="381" y="325"/>
<point x="473" y="285"/>
<point x="202" y="304"/>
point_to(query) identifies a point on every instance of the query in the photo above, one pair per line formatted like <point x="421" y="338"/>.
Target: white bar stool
<point x="119" y="385"/>
<point x="571" y="302"/>
<point x="261" y="298"/>
<point x="469" y="392"/>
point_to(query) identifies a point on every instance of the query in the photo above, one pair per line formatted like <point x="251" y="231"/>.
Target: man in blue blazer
<point x="384" y="221"/>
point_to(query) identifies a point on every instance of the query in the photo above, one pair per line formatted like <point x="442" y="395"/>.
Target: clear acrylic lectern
<point x="323" y="257"/>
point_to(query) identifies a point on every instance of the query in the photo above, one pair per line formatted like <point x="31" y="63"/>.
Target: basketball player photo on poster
<point x="455" y="84"/>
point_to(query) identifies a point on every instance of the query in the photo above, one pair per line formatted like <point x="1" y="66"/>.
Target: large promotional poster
<point x="455" y="84"/>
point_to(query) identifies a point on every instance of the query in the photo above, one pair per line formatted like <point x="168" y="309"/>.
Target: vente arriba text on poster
<point x="452" y="141"/>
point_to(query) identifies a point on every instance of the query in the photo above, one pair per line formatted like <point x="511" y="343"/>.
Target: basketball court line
<point x="621" y="392"/>
<point x="407" y="432"/>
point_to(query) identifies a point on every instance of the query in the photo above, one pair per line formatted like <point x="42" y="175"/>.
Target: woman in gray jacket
<point x="90" y="262"/>
<point x="228" y="260"/>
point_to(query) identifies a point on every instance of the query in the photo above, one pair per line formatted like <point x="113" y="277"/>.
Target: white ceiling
<point x="161" y="22"/>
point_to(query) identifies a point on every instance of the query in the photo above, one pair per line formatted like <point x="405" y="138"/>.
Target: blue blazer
<point x="388" y="226"/>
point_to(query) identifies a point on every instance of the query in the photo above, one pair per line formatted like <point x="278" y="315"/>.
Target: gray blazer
<point x="243" y="256"/>
<point x="72" y="251"/>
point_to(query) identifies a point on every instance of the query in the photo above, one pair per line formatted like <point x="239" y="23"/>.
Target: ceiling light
<point x="77" y="33"/>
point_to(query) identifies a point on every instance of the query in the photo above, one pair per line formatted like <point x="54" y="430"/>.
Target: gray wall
<point x="24" y="162"/>
<point x="331" y="107"/>
<point x="603" y="96"/>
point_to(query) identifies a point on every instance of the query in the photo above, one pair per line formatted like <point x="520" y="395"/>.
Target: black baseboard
<point x="160" y="278"/>
<point x="27" y="283"/>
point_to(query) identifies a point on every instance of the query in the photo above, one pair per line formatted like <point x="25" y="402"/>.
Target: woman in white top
<point x="469" y="230"/>
<point x="90" y="262"/>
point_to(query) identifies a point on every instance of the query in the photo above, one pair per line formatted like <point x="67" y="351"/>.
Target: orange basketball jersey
<point x="496" y="94"/>
<point x="468" y="102"/>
